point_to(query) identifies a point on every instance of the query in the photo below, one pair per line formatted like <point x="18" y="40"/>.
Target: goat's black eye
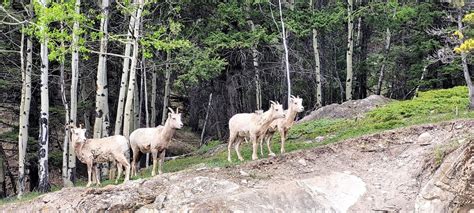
<point x="276" y="110"/>
<point x="174" y="118"/>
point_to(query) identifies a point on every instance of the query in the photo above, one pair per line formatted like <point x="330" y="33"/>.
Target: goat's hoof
<point x="88" y="184"/>
<point x="230" y="161"/>
<point x="272" y="154"/>
<point x="241" y="159"/>
<point x="254" y="158"/>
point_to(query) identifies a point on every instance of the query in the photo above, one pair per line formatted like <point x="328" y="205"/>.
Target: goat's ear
<point x="169" y="114"/>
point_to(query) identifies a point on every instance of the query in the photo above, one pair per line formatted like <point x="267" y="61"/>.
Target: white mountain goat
<point x="155" y="140"/>
<point x="251" y="125"/>
<point x="101" y="150"/>
<point x="282" y="125"/>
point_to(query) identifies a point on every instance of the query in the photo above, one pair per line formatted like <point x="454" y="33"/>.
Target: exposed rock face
<point x="348" y="109"/>
<point x="452" y="185"/>
<point x="388" y="171"/>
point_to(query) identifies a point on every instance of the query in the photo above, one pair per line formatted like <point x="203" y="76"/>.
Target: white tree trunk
<point x="465" y="67"/>
<point x="101" y="104"/>
<point x="153" y="98"/>
<point x="287" y="63"/>
<point x="132" y="79"/>
<point x="350" y="49"/>
<point x="24" y="111"/>
<point x="124" y="79"/>
<point x="136" y="109"/>
<point x="66" y="181"/>
<point x="317" y="68"/>
<point x="253" y="49"/>
<point x="167" y="88"/>
<point x="71" y="171"/>
<point x="145" y="91"/>
<point x="384" y="61"/>
<point x="205" y="120"/>
<point x="43" y="174"/>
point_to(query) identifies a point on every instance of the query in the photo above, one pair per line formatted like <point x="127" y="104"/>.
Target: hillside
<point x="389" y="171"/>
<point x="397" y="157"/>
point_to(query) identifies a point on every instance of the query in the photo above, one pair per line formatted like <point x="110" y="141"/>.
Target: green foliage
<point x="53" y="24"/>
<point x="55" y="158"/>
<point x="163" y="38"/>
<point x="198" y="65"/>
<point x="230" y="29"/>
<point x="302" y="21"/>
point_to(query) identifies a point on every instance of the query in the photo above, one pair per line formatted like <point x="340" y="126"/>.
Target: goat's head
<point x="78" y="135"/>
<point x="276" y="110"/>
<point x="296" y="103"/>
<point x="174" y="119"/>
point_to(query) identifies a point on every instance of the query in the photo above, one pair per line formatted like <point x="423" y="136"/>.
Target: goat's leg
<point x="134" y="161"/>
<point x="155" y="156"/>
<point x="119" y="171"/>
<point x="113" y="166"/>
<point x="122" y="161"/>
<point x="160" y="162"/>
<point x="89" y="173"/>
<point x="229" y="146"/>
<point x="97" y="175"/>
<point x="268" y="138"/>
<point x="253" y="138"/>
<point x="261" y="144"/>
<point x="237" y="149"/>
<point x="283" y="138"/>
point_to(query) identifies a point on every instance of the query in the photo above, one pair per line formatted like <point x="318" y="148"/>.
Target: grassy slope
<point x="429" y="107"/>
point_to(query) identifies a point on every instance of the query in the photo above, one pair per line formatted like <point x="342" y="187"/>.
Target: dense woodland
<point x="115" y="66"/>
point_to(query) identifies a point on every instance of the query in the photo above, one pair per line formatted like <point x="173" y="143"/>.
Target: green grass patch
<point x="26" y="197"/>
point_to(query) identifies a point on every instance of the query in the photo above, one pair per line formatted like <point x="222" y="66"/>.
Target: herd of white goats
<point x="258" y="126"/>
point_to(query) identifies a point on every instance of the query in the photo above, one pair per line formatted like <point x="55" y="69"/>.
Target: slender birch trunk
<point x="71" y="170"/>
<point x="253" y="49"/>
<point x="205" y="120"/>
<point x="287" y="63"/>
<point x="66" y="181"/>
<point x="350" y="49"/>
<point x="465" y="67"/>
<point x="132" y="79"/>
<point x="167" y="88"/>
<point x="124" y="79"/>
<point x="24" y="111"/>
<point x="153" y="109"/>
<point x="145" y="90"/>
<point x="384" y="61"/>
<point x="101" y="103"/>
<point x="43" y="174"/>
<point x="136" y="109"/>
<point x="317" y="60"/>
<point x="153" y="98"/>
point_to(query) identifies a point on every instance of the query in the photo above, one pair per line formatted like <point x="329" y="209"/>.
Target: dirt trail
<point x="380" y="172"/>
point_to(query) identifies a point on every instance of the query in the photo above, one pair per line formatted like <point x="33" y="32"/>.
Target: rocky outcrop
<point x="451" y="189"/>
<point x="348" y="109"/>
